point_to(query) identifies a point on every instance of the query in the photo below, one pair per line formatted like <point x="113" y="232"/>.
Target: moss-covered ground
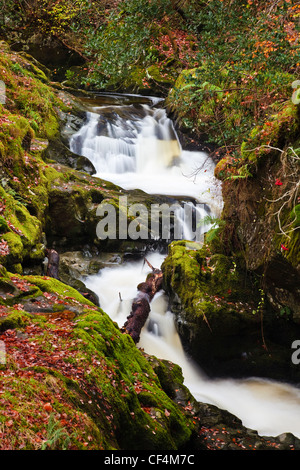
<point x="72" y="380"/>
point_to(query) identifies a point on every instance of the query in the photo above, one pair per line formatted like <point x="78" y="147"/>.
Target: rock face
<point x="240" y="313"/>
<point x="221" y="318"/>
<point x="72" y="219"/>
<point x="48" y="50"/>
<point x="270" y="250"/>
<point x="58" y="152"/>
<point x="75" y="369"/>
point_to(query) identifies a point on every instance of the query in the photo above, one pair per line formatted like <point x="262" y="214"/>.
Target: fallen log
<point x="140" y="308"/>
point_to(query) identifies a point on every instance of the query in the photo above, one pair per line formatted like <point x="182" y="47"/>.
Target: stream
<point x="131" y="142"/>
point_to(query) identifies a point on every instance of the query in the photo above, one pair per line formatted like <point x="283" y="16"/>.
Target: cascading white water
<point x="269" y="407"/>
<point x="136" y="147"/>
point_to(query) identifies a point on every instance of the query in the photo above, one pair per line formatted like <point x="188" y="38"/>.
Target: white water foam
<point x="269" y="407"/>
<point x="145" y="154"/>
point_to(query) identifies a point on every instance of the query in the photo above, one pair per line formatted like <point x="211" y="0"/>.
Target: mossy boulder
<point x="260" y="207"/>
<point x="83" y="367"/>
<point x="222" y="316"/>
<point x="22" y="232"/>
<point x="72" y="381"/>
<point x="74" y="199"/>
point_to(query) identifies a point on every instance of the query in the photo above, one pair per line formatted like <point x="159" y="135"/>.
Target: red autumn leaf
<point x="47" y="407"/>
<point x="4" y="248"/>
<point x="283" y="247"/>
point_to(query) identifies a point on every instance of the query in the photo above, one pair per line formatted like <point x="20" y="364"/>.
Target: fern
<point x="58" y="438"/>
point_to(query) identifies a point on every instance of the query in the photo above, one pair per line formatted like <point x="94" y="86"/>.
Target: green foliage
<point x="57" y="437"/>
<point x="261" y="303"/>
<point x="216" y="225"/>
<point x="51" y="16"/>
<point x="123" y="41"/>
<point x="245" y="71"/>
<point x="285" y="312"/>
<point x="3" y="225"/>
<point x="115" y="59"/>
<point x="113" y="37"/>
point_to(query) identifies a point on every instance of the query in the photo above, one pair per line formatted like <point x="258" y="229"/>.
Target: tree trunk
<point x="141" y="304"/>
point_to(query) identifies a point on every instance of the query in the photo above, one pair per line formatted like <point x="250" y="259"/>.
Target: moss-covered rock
<point x="257" y="240"/>
<point x="260" y="209"/>
<point x="72" y="381"/>
<point x="98" y="374"/>
<point x="223" y="316"/>
<point x="22" y="233"/>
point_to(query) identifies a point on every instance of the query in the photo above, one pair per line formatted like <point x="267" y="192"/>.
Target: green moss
<point x="14" y="320"/>
<point x="17" y="268"/>
<point x="295" y="216"/>
<point x="3" y="225"/>
<point x="291" y="242"/>
<point x="14" y="130"/>
<point x="293" y="255"/>
<point x="29" y="226"/>
<point x="164" y="76"/>
<point x="51" y="127"/>
<point x="16" y="248"/>
<point x="56" y="434"/>
<point x="23" y="231"/>
<point x="35" y="101"/>
<point x="186" y="79"/>
<point x="139" y="413"/>
<point x="214" y="281"/>
<point x="3" y="271"/>
<point x="14" y="290"/>
<point x="37" y="72"/>
<point x="51" y="285"/>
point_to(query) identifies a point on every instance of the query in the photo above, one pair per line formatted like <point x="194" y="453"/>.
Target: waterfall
<point x="135" y="146"/>
<point x="140" y="140"/>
